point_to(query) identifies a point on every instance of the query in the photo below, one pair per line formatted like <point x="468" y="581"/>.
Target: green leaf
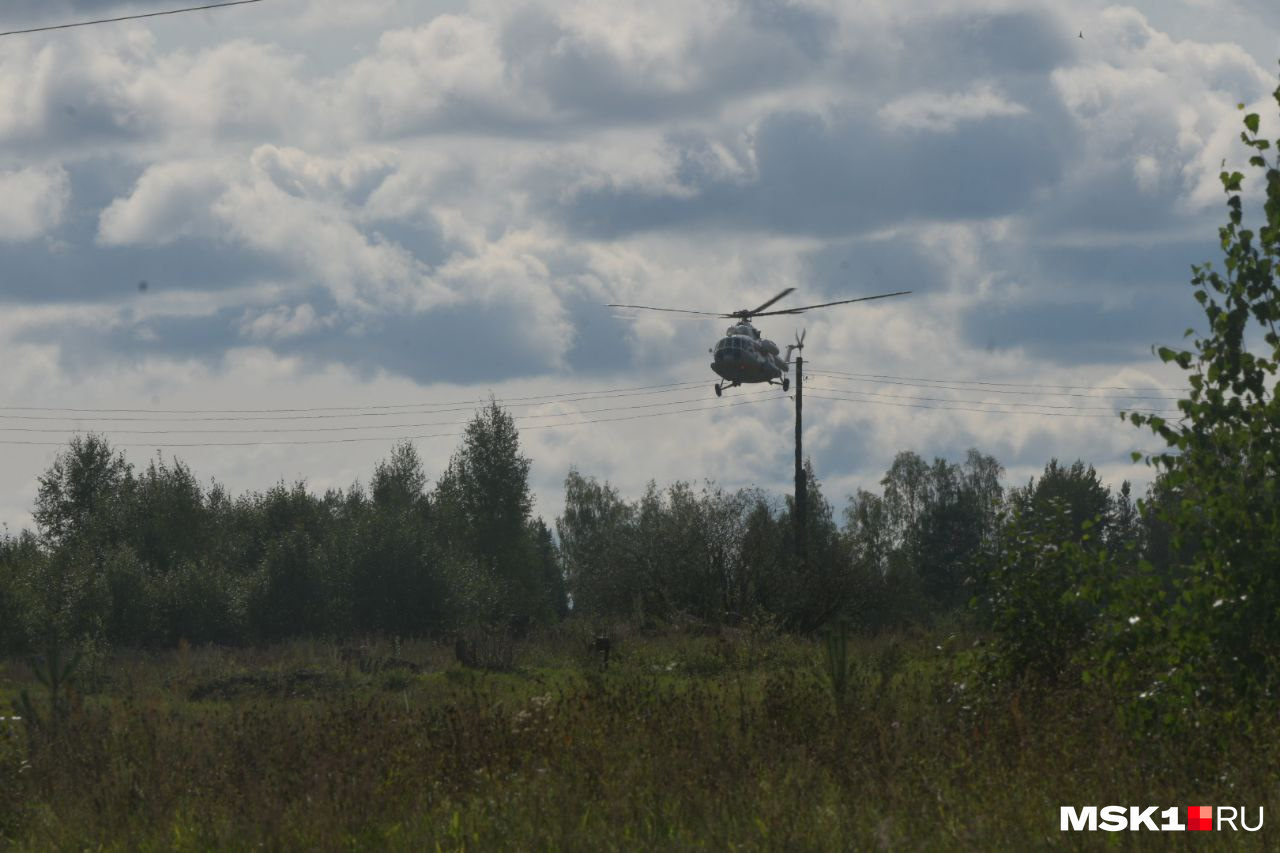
<point x="1251" y="122"/>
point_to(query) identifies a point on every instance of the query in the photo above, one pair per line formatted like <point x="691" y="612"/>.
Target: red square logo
<point x="1199" y="817"/>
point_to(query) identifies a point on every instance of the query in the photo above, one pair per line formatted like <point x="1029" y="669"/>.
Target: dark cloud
<point x="841" y="447"/>
<point x="844" y="175"/>
<point x="40" y="273"/>
<point x="462" y="344"/>
<point x="84" y="349"/>
<point x="1084" y="332"/>
<point x="843" y="269"/>
<point x="772" y="44"/>
<point x="1092" y="304"/>
<point x="42" y="12"/>
<point x="1109" y="201"/>
<point x="600" y="345"/>
<point x="70" y="266"/>
<point x="957" y="46"/>
<point x="809" y="29"/>
<point x="1089" y="270"/>
<point x="977" y="44"/>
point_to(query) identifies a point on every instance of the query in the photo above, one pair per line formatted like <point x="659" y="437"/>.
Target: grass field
<point x="733" y="741"/>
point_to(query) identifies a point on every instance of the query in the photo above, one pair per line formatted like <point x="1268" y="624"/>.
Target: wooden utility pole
<point x="802" y="485"/>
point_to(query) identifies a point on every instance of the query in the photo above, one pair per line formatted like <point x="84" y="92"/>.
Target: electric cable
<point x="422" y="409"/>
<point x="136" y="17"/>
<point x="986" y="411"/>
<point x="26" y="443"/>
<point x="622" y="392"/>
<point x="1033" y="404"/>
<point x="348" y="428"/>
<point x="952" y="386"/>
<point x="1038" y="385"/>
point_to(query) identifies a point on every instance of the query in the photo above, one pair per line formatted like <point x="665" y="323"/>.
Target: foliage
<point x="1210" y="622"/>
<point x="1035" y="594"/>
<point x="146" y="559"/>
<point x="838" y="669"/>
<point x="284" y="748"/>
<point x="483" y="508"/>
<point x="56" y="673"/>
<point x="81" y="496"/>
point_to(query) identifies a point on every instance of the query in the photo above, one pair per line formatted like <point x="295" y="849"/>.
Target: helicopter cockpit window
<point x="728" y="346"/>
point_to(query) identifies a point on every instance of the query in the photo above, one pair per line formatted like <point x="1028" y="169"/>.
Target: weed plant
<point x="683" y="742"/>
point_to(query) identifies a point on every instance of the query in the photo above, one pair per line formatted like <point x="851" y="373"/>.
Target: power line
<point x="130" y="17"/>
<point x="349" y="428"/>
<point x="351" y="412"/>
<point x="25" y="443"/>
<point x="1034" y="404"/>
<point x="441" y="407"/>
<point x="950" y="386"/>
<point x="623" y="392"/>
<point x="953" y="408"/>
<point x="1037" y="385"/>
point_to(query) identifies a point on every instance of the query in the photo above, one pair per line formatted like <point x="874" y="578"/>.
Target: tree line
<point x="146" y="557"/>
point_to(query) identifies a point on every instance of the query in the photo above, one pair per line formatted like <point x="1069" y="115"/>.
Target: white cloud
<point x="937" y="111"/>
<point x="283" y="322"/>
<point x="1144" y="97"/>
<point x="416" y="75"/>
<point x="34" y="202"/>
<point x="319" y="239"/>
<point x="117" y="85"/>
<point x="170" y="200"/>
<point x="1146" y="171"/>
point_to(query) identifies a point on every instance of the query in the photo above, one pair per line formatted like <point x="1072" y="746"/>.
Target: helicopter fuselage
<point x="742" y="356"/>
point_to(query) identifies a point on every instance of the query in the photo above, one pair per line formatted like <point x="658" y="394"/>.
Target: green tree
<point x="396" y="580"/>
<point x="167" y="520"/>
<point x="550" y="570"/>
<point x="889" y="591"/>
<point x="931" y="522"/>
<point x="399" y="482"/>
<point x="484" y="504"/>
<point x="824" y="586"/>
<point x="1075" y="488"/>
<point x="1218" y="631"/>
<point x="1043" y="581"/>
<point x="595" y="543"/>
<point x="82" y="493"/>
<point x="18" y="555"/>
<point x="1035" y="597"/>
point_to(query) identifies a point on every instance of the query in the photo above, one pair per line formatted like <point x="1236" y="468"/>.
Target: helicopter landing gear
<point x="786" y="384"/>
<point x="720" y="386"/>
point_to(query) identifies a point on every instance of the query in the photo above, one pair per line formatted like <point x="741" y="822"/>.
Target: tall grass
<point x="685" y="742"/>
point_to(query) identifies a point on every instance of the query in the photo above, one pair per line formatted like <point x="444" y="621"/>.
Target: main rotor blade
<point x="756" y="311"/>
<point x="829" y="304"/>
<point x="673" y="310"/>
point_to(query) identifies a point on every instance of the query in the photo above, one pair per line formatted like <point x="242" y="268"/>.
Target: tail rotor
<point x="799" y="344"/>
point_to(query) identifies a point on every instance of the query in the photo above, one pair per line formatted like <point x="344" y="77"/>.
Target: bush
<point x="1038" y="596"/>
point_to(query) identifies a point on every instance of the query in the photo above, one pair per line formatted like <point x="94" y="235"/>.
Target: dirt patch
<point x="300" y="683"/>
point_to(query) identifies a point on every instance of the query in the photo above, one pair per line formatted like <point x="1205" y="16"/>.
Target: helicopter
<point x="742" y="355"/>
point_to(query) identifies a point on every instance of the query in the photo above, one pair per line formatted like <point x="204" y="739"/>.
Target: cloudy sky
<point x="381" y="212"/>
